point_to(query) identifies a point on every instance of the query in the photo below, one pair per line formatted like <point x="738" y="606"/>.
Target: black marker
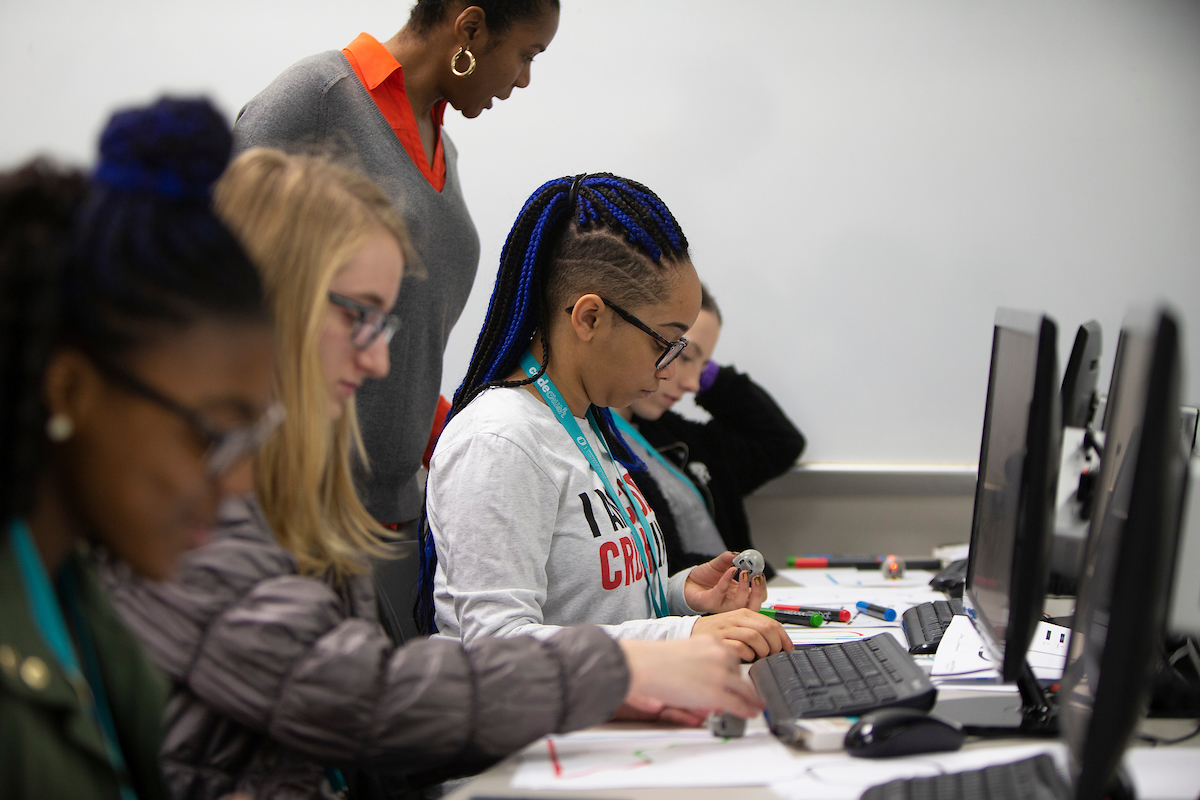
<point x="879" y="612"/>
<point x="812" y="620"/>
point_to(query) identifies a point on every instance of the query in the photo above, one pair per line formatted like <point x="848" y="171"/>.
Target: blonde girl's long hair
<point x="301" y="218"/>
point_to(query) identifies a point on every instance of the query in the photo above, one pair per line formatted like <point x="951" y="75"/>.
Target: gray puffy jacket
<point x="279" y="676"/>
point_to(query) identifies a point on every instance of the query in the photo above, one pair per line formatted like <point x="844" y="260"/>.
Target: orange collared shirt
<point x="383" y="78"/>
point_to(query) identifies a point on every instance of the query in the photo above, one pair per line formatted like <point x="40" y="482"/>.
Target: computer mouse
<point x="901" y="732"/>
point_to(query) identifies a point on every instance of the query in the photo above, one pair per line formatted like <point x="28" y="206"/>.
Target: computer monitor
<point x="1184" y="615"/>
<point x="1081" y="376"/>
<point x="1112" y="381"/>
<point x="1011" y="531"/>
<point x="1121" y="607"/>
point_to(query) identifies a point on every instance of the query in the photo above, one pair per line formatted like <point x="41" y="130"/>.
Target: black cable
<point x="1157" y="740"/>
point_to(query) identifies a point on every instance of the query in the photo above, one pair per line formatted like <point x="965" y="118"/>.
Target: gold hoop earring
<point x="59" y="428"/>
<point x="454" y="62"/>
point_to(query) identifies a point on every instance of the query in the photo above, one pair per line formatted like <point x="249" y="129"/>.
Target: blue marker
<point x="879" y="612"/>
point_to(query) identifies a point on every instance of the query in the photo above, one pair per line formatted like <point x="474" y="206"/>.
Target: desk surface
<point x="496" y="782"/>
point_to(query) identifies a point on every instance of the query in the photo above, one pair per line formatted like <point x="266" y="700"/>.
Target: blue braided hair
<point x="588" y="233"/>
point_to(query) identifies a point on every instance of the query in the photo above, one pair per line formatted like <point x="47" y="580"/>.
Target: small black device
<point x="902" y="732"/>
<point x="925" y="624"/>
<point x="951" y="579"/>
<point x="839" y="680"/>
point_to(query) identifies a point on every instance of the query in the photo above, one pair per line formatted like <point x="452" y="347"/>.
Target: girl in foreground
<point x="286" y="684"/>
<point x="534" y="518"/>
<point x="136" y="361"/>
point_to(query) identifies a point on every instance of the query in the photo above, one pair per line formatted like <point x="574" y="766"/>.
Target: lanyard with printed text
<point x="48" y="617"/>
<point x="654" y="577"/>
<point x="628" y="429"/>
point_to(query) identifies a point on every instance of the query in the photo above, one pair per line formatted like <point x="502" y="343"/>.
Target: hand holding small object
<point x="715" y="586"/>
<point x="750" y="561"/>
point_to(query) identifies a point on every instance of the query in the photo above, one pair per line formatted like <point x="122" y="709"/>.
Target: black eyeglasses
<point x="369" y="323"/>
<point x="225" y="448"/>
<point x="671" y="350"/>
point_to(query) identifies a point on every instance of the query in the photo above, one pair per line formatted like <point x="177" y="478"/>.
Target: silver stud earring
<point x="59" y="428"/>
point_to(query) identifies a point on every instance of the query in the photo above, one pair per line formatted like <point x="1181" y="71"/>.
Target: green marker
<point x="789" y="618"/>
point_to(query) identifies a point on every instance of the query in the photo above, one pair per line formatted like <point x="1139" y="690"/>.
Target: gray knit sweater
<point x="321" y="102"/>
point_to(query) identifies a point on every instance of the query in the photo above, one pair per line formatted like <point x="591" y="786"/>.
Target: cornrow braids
<point x="590" y="233"/>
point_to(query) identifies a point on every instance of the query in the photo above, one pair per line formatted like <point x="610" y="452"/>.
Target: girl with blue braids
<point x="534" y="517"/>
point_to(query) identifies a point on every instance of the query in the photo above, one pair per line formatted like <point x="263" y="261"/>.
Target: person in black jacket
<point x="749" y="440"/>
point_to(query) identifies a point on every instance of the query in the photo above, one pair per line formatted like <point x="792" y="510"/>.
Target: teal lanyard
<point x="48" y="617"/>
<point x="655" y="589"/>
<point x="629" y="430"/>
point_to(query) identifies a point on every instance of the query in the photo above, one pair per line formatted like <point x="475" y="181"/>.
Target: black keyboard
<point x="925" y="624"/>
<point x="1032" y="779"/>
<point x="839" y="680"/>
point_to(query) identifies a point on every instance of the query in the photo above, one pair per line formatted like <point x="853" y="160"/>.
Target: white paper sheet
<point x="897" y="597"/>
<point x="961" y="654"/>
<point x="656" y="758"/>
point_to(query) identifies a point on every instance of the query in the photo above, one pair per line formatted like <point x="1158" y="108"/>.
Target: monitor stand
<point x="1039" y="714"/>
<point x="983" y="703"/>
<point x="1023" y="706"/>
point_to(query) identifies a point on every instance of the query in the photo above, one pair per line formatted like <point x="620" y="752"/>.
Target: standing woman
<point x="383" y="102"/>
<point x="135" y="366"/>
<point x="287" y="686"/>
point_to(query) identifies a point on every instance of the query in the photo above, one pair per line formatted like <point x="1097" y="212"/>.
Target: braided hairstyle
<point x="111" y="265"/>
<point x="500" y="15"/>
<point x="589" y="234"/>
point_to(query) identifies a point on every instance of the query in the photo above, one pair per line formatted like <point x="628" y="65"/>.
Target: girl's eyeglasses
<point x="225" y="448"/>
<point x="369" y="323"/>
<point x="671" y="350"/>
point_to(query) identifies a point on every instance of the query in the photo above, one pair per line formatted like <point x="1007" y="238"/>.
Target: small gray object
<point x="726" y="726"/>
<point x="750" y="561"/>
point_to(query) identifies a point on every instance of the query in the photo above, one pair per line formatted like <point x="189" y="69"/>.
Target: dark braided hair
<point x="588" y="234"/>
<point x="111" y="266"/>
<point x="500" y="15"/>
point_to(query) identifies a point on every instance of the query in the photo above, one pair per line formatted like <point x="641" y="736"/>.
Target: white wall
<point x="862" y="182"/>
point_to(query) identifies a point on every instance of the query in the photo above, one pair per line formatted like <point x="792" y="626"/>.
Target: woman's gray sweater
<point x="278" y="676"/>
<point x="320" y="102"/>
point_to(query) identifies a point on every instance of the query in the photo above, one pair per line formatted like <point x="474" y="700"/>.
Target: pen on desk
<point x="813" y="620"/>
<point x="827" y="614"/>
<point x="856" y="562"/>
<point x="879" y="612"/>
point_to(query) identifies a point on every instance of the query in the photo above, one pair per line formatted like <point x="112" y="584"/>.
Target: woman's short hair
<point x="500" y="15"/>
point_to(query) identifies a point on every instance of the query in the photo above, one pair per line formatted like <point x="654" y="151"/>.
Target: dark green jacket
<point x="49" y="745"/>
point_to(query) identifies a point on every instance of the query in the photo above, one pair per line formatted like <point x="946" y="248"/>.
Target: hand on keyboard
<point x="750" y="634"/>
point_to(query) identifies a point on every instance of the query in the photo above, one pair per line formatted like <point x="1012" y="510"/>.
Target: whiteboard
<point x="862" y="183"/>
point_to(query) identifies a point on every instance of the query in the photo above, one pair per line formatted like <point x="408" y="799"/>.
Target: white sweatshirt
<point x="525" y="542"/>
